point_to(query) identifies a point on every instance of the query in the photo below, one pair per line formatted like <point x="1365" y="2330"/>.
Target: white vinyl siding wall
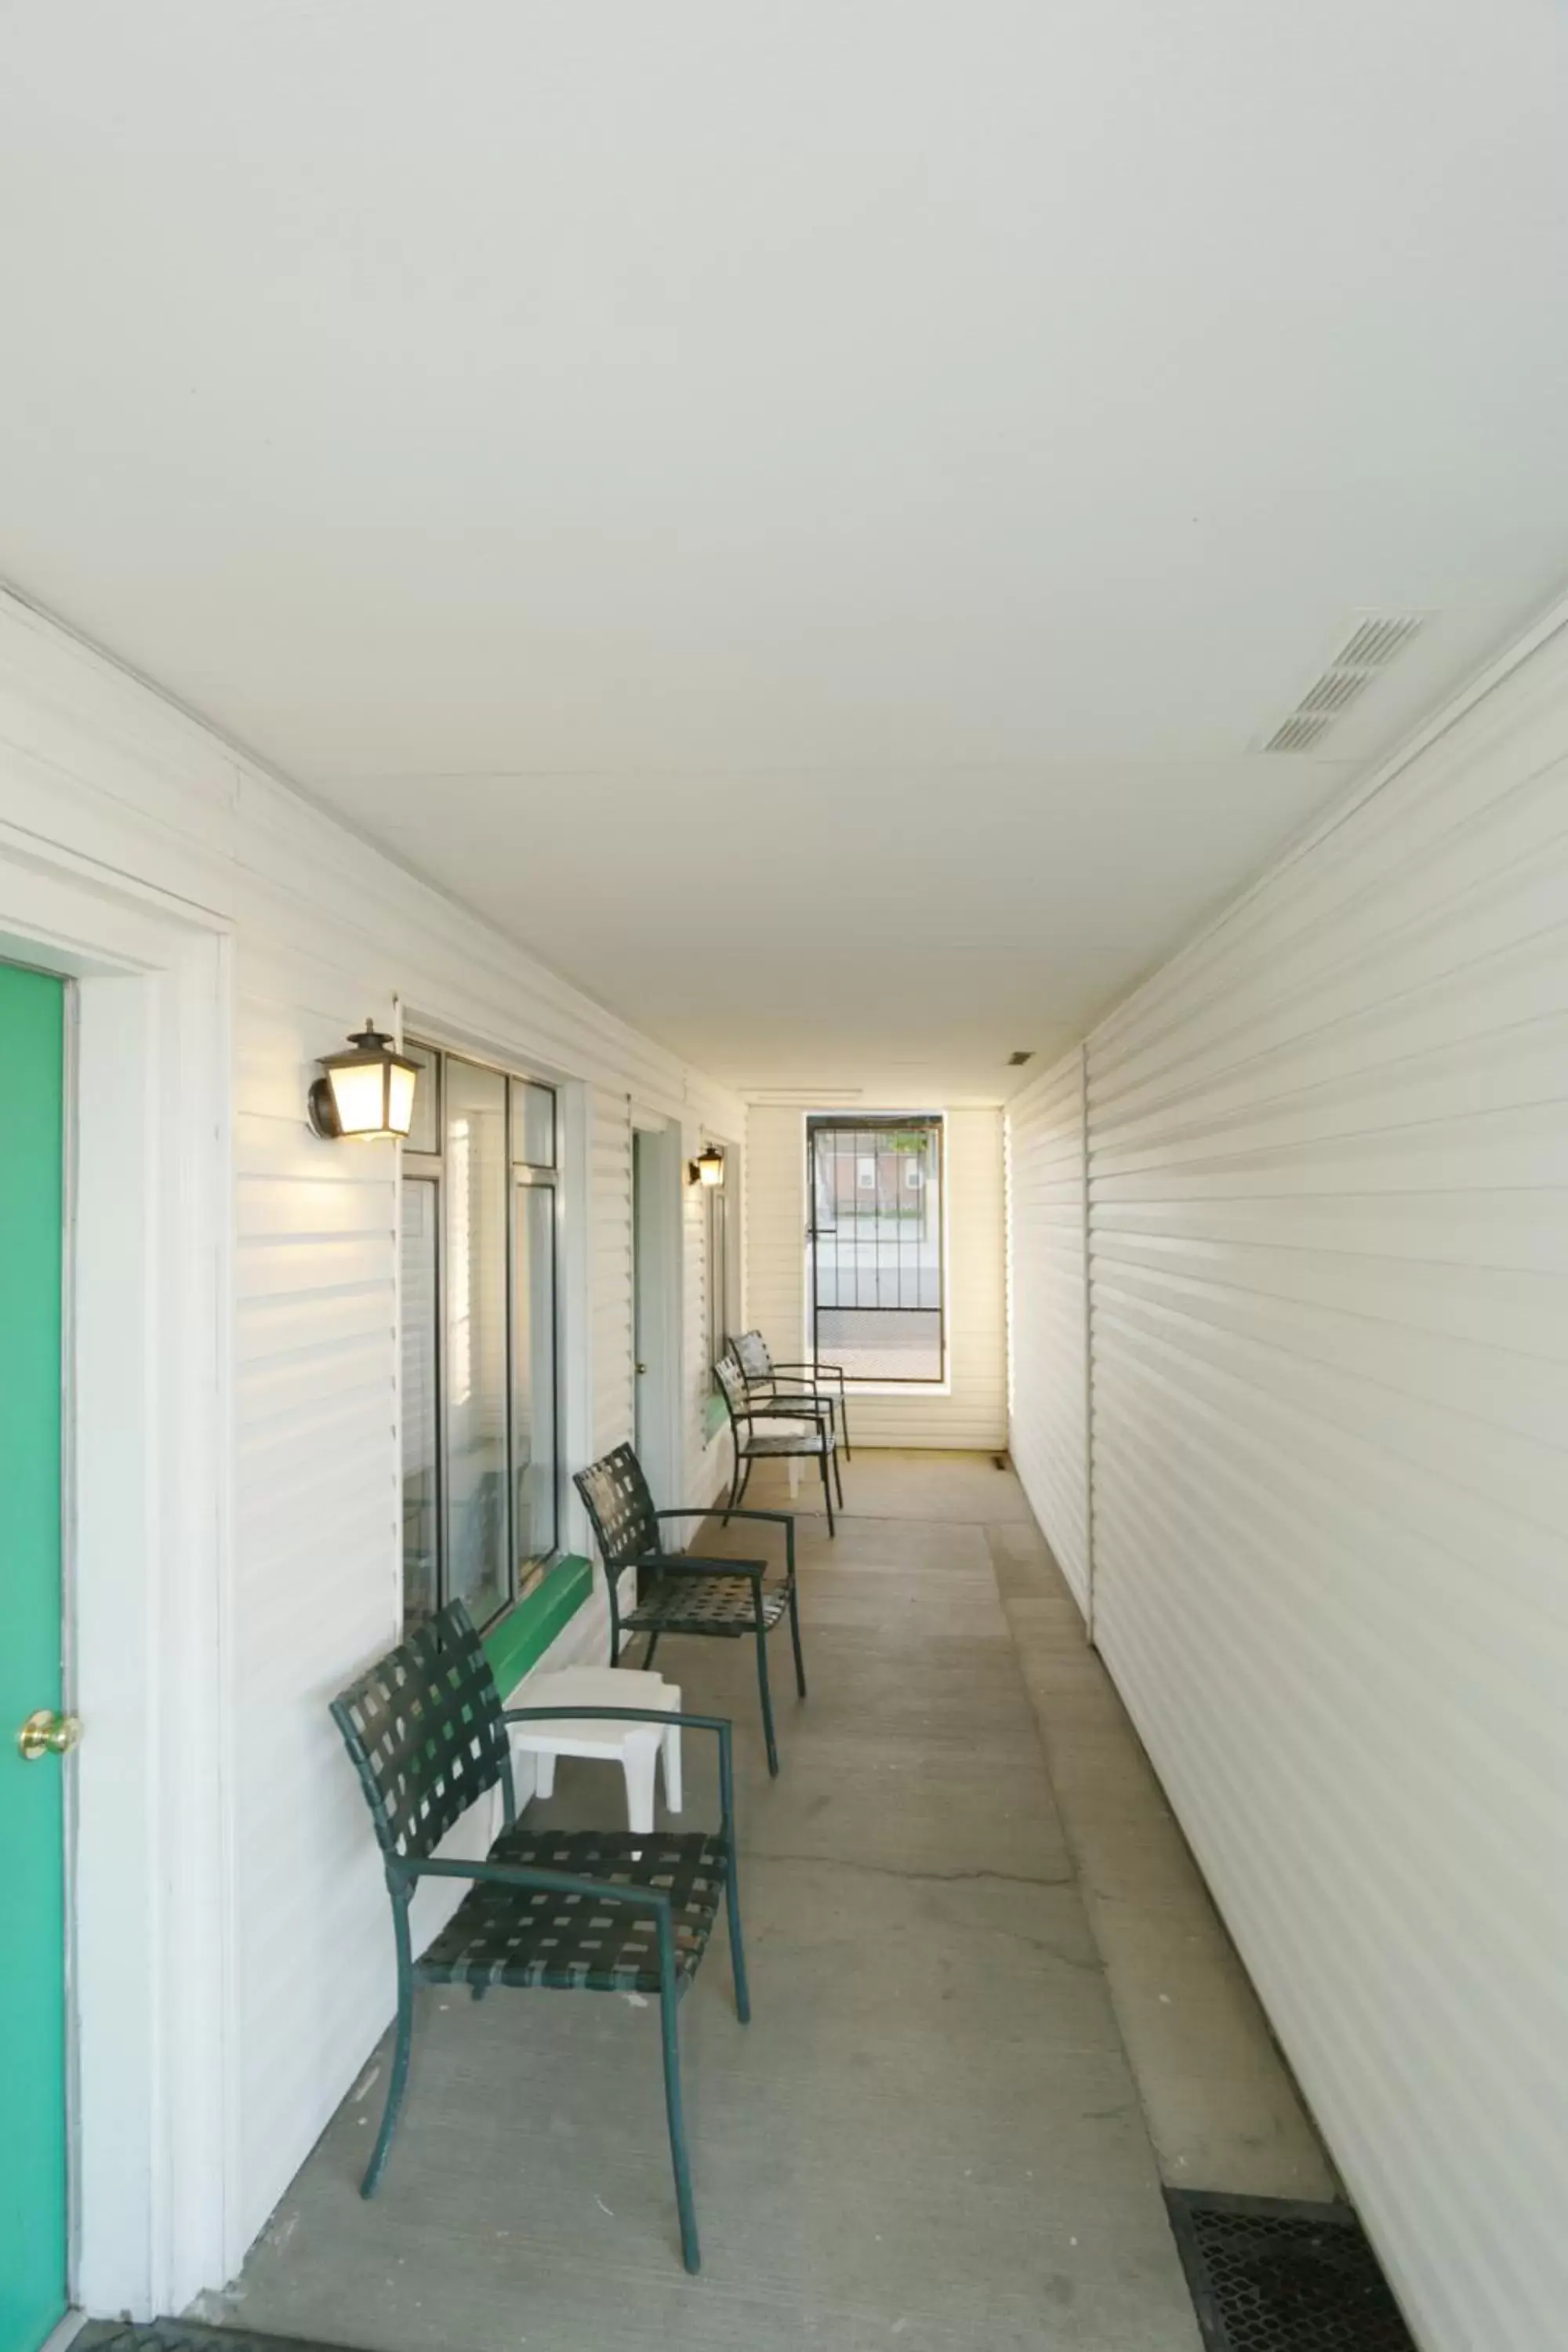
<point x="973" y="1412"/>
<point x="1048" y="1308"/>
<point x="610" y="1150"/>
<point x="1330" y="1299"/>
<point x="324" y="930"/>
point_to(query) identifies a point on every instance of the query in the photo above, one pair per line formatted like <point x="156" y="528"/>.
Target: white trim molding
<point x="147" y="1578"/>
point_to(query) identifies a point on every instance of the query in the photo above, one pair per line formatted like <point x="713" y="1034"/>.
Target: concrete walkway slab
<point x="930" y="2138"/>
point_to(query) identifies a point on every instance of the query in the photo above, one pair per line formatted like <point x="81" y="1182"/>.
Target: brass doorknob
<point x="642" y="1368"/>
<point x="46" y="1733"/>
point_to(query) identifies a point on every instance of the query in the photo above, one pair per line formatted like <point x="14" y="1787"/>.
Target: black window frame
<point x="716" y="1250"/>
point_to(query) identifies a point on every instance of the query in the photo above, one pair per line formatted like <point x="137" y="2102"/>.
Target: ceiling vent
<point x="1297" y="734"/>
<point x="1375" y="640"/>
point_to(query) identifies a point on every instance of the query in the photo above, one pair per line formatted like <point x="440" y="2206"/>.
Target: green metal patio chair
<point x="578" y="1910"/>
<point x="812" y="1437"/>
<point x="686" y="1592"/>
<point x="778" y="1389"/>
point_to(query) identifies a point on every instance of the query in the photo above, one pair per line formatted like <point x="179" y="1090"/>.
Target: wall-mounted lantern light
<point x="368" y="1093"/>
<point x="708" y="1168"/>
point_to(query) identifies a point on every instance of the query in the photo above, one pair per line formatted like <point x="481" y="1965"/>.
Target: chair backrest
<point x="751" y="1352"/>
<point x="620" y="1507"/>
<point x="734" y="1389"/>
<point x="426" y="1731"/>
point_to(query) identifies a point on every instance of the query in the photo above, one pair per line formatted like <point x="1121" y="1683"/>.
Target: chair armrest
<point x="837" y="1369"/>
<point x="716" y="1723"/>
<point x="547" y="1882"/>
<point x="719" y="1724"/>
<point x="689" y="1563"/>
<point x="717" y="1510"/>
<point x="785" y="1519"/>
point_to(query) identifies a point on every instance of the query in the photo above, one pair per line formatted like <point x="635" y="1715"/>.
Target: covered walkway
<point x="991" y="2004"/>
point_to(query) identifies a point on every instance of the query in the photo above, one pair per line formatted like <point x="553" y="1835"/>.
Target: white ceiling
<point x="843" y="484"/>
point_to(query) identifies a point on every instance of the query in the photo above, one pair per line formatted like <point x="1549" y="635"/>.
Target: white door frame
<point x="147" y="1577"/>
<point x="658" y="1268"/>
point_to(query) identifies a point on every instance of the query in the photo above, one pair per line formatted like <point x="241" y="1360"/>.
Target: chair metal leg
<point x="648" y="1654"/>
<point x="737" y="1948"/>
<point x="737" y="1487"/>
<point x="763" y="1692"/>
<point x="838" y="1477"/>
<point x="794" y="1637"/>
<point x="826" y="1488"/>
<point x="399" y="2082"/>
<point x="691" y="2251"/>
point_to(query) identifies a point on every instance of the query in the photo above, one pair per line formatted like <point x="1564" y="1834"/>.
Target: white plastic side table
<point x="634" y="1746"/>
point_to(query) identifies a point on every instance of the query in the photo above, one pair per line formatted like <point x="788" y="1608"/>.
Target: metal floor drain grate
<point x="1270" y="2277"/>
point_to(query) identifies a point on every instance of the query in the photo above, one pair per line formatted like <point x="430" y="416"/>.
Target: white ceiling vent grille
<point x="1299" y="734"/>
<point x="1375" y="640"/>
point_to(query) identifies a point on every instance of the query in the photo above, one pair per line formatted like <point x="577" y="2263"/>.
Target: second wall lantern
<point x="708" y="1168"/>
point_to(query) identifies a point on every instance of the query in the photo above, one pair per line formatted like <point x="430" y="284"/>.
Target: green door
<point x="32" y="1806"/>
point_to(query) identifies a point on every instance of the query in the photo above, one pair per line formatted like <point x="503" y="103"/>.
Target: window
<point x="874" y="1251"/>
<point x="717" y="1208"/>
<point x="481" y="1469"/>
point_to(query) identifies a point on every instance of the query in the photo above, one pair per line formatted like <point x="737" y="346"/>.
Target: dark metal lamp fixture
<point x="367" y="1094"/>
<point x="708" y="1168"/>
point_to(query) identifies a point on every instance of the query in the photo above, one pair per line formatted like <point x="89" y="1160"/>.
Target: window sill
<point x="520" y="1639"/>
<point x="897" y="1388"/>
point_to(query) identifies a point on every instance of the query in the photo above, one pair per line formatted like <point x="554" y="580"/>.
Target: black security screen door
<point x="874" y="1246"/>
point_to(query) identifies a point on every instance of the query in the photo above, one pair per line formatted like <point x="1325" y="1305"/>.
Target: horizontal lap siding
<point x="610" y="1277"/>
<point x="1330" y="1202"/>
<point x="323" y="930"/>
<point x="776" y="1228"/>
<point x="1048" y="1422"/>
<point x="318" y="1508"/>
<point x="975" y="1413"/>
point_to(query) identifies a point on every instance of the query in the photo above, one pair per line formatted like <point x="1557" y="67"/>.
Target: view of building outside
<point x="874" y="1249"/>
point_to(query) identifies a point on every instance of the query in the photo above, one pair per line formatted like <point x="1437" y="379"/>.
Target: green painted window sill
<point x="520" y="1639"/>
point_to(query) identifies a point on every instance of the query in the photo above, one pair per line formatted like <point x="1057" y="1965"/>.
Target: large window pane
<point x="421" y="1424"/>
<point x="532" y="1124"/>
<point x="477" y="1184"/>
<point x="718" y="1274"/>
<point x="425" y="1134"/>
<point x="534" y="1374"/>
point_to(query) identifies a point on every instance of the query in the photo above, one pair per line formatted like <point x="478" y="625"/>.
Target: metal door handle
<point x="44" y="1733"/>
<point x="642" y="1368"/>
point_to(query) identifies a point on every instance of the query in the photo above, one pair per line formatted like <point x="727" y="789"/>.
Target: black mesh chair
<point x="579" y="1910"/>
<point x="682" y="1592"/>
<point x="812" y="1438"/>
<point x="779" y="1389"/>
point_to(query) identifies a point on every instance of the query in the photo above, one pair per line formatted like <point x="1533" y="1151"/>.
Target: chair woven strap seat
<point x="806" y="1440"/>
<point x="524" y="1936"/>
<point x="704" y="1604"/>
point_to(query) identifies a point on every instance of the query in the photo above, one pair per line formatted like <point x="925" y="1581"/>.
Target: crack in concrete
<point x="894" y="1870"/>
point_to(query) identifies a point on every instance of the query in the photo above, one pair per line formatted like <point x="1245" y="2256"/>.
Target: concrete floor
<point x="931" y="2136"/>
